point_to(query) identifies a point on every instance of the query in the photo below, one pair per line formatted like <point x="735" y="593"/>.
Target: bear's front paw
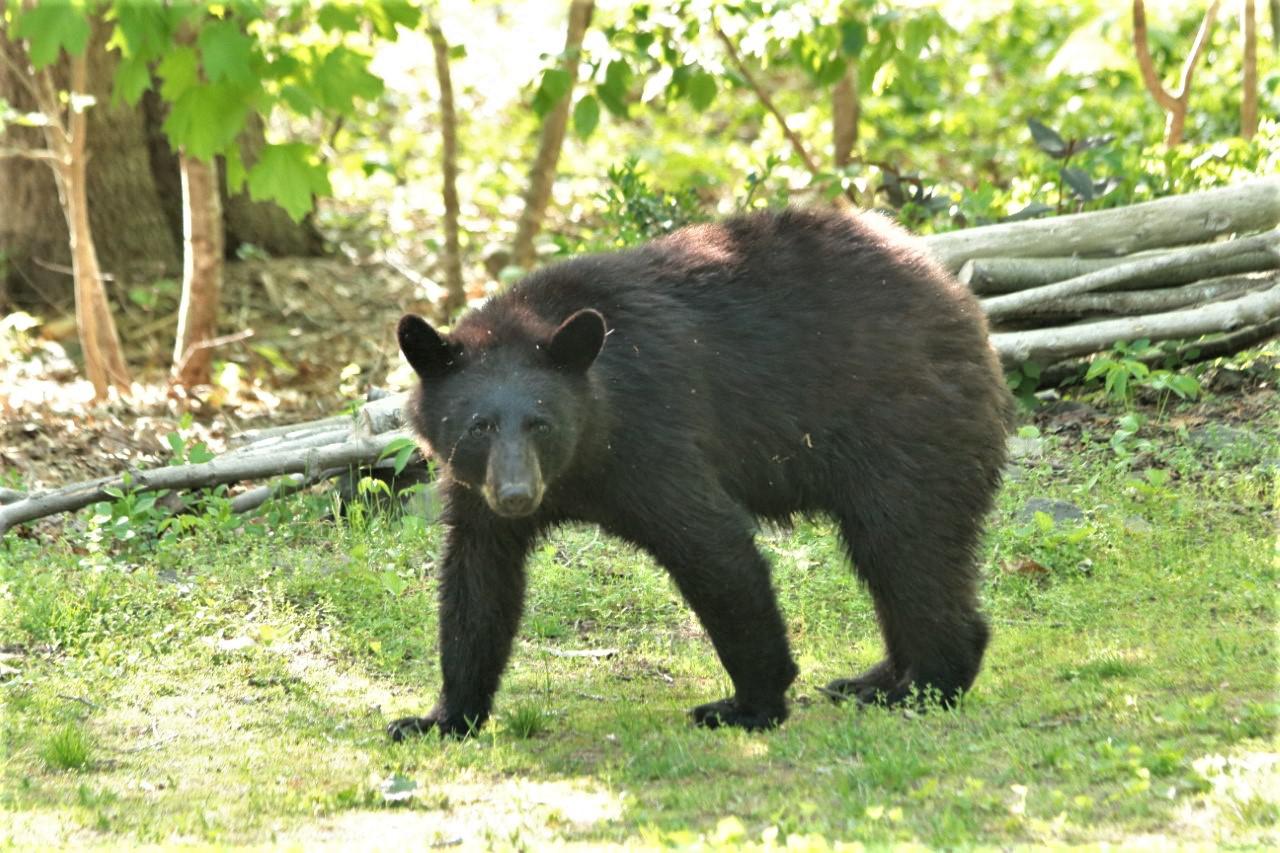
<point x="727" y="712"/>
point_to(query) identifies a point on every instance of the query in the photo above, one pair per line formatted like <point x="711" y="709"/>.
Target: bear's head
<point x="503" y="406"/>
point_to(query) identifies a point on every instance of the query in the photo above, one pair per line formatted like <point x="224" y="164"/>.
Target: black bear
<point x="775" y="364"/>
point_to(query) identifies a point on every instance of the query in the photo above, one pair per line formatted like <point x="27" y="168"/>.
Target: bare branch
<point x="20" y="74"/>
<point x="31" y="154"/>
<point x="1197" y="50"/>
<point x="1150" y="78"/>
<point x="1174" y="104"/>
<point x="211" y="343"/>
<point x="765" y="100"/>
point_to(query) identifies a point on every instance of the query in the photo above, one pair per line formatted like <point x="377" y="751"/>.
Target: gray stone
<point x="1060" y="511"/>
<point x="1217" y="437"/>
<point x="1025" y="448"/>
<point x="1137" y="524"/>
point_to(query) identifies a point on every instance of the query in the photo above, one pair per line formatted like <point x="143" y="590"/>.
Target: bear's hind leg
<point x="869" y="687"/>
<point x="923" y="582"/>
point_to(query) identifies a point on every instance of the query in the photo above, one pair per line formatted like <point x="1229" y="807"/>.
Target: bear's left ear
<point x="427" y="353"/>
<point x="575" y="345"/>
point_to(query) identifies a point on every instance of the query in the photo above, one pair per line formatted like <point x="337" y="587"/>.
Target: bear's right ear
<point x="427" y="353"/>
<point x="578" y="341"/>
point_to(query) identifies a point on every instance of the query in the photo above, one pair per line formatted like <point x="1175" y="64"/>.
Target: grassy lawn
<point x="230" y="686"/>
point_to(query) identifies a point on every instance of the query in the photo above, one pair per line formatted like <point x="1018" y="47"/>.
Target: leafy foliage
<point x="215" y="66"/>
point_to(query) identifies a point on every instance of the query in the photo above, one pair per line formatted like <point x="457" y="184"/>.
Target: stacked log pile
<point x="1177" y="268"/>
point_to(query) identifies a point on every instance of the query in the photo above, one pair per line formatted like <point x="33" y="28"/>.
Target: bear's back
<point x="783" y="347"/>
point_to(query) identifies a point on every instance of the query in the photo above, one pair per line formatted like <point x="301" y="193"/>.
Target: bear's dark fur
<point x="775" y="364"/>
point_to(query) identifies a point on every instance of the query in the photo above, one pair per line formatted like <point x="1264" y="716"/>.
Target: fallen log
<point x="1049" y="345"/>
<point x="1068" y="371"/>
<point x="1150" y="301"/>
<point x="990" y="276"/>
<point x="1178" y="220"/>
<point x="1011" y="303"/>
<point x="254" y="498"/>
<point x="358" y="451"/>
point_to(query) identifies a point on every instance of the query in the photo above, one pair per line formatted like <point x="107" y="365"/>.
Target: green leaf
<point x="199" y="453"/>
<point x="1099" y="367"/>
<point x="233" y="166"/>
<point x="402" y="458"/>
<point x="51" y="27"/>
<point x="394" y="447"/>
<point x="701" y="89"/>
<point x="586" y="115"/>
<point x="613" y="91"/>
<point x="178" y="72"/>
<point x="143" y="31"/>
<point x="299" y="100"/>
<point x="1080" y="182"/>
<point x="1047" y="138"/>
<point x="227" y="52"/>
<point x="555" y="85"/>
<point x="287" y="175"/>
<point x="340" y="17"/>
<point x="206" y="119"/>
<point x="343" y="77"/>
<point x="386" y="14"/>
<point x="133" y="77"/>
<point x="853" y="38"/>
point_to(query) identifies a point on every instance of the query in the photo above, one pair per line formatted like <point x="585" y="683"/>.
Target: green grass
<point x="231" y="686"/>
<point x="67" y="748"/>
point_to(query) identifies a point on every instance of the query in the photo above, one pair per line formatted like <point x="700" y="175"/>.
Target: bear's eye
<point x="540" y="427"/>
<point x="481" y="428"/>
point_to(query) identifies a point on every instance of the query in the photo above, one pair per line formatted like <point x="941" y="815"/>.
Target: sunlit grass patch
<point x="67" y="748"/>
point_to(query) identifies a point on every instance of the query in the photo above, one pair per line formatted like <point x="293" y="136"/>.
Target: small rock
<point x="1025" y="448"/>
<point x="1059" y="511"/>
<point x="1135" y="524"/>
<point x="1014" y="474"/>
<point x="1218" y="436"/>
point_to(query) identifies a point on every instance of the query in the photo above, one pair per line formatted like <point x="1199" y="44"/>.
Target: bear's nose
<point x="515" y="499"/>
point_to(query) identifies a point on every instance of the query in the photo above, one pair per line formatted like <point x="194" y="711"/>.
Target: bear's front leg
<point x="482" y="584"/>
<point x="706" y="543"/>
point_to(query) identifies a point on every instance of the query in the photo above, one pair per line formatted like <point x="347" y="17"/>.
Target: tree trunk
<point x="66" y="137"/>
<point x="135" y="240"/>
<point x="1249" y="98"/>
<point x="844" y="116"/>
<point x="543" y="174"/>
<point x="456" y="297"/>
<point x="202" y="254"/>
<point x="134" y="192"/>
